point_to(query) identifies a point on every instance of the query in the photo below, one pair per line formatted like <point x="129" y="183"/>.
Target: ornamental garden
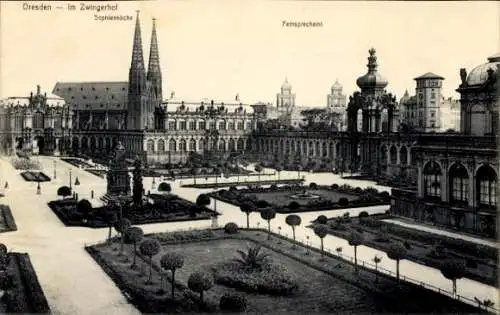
<point x="152" y="208"/>
<point x="251" y="270"/>
<point x="297" y="198"/>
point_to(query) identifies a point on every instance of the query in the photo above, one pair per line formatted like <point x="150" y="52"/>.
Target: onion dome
<point x="479" y="74"/>
<point x="372" y="79"/>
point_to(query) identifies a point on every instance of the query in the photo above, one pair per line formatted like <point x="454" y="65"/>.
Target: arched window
<point x="486" y="187"/>
<point x="383" y="157"/>
<point x="222" y="125"/>
<point x="304" y="147"/>
<point x="432" y="180"/>
<point x="403" y="155"/>
<point x="317" y="149"/>
<point x="172" y="145"/>
<point x="394" y="155"/>
<point x="222" y="145"/>
<point x="459" y="184"/>
<point x="92" y="144"/>
<point x="192" y="145"/>
<point x="161" y="145"/>
<point x="324" y="149"/>
<point x="150" y="145"/>
<point x="182" y="145"/>
<point x="231" y="145"/>
<point x="240" y="145"/>
<point x="311" y="148"/>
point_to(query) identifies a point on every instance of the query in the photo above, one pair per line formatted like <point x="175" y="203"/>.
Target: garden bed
<point x="178" y="210"/>
<point x="25" y="163"/>
<point x="77" y="162"/>
<point x="31" y="176"/>
<point x="23" y="293"/>
<point x="7" y="223"/>
<point x="422" y="247"/>
<point x="324" y="286"/>
<point x="246" y="183"/>
<point x="286" y="199"/>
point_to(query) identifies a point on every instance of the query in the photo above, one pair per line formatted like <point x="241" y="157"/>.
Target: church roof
<point x="93" y="95"/>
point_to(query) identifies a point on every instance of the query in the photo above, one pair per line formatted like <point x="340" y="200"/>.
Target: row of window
<point x="460" y="189"/>
<point x="184" y="145"/>
<point x="191" y="125"/>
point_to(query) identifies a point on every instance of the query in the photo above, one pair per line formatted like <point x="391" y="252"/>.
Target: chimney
<point x="38" y="89"/>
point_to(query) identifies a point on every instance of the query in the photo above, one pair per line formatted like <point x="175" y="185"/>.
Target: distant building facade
<point x="422" y="112"/>
<point x="450" y="114"/>
<point x="336" y="103"/>
<point x="37" y="123"/>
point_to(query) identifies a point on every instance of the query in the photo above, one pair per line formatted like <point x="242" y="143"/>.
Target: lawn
<point x="297" y="198"/>
<point x="7" y="222"/>
<point x="422" y="247"/>
<point x="324" y="286"/>
<point x="283" y="198"/>
<point x="314" y="294"/>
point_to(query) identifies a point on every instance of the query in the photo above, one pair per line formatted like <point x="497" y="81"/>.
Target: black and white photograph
<point x="249" y="157"/>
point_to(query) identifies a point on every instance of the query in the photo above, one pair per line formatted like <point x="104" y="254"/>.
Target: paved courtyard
<point x="74" y="284"/>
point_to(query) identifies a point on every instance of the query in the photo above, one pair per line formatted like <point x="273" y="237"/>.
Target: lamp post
<point x="38" y="189"/>
<point x="55" y="175"/>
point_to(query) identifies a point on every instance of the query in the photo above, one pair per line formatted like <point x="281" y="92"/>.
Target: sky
<point x="216" y="49"/>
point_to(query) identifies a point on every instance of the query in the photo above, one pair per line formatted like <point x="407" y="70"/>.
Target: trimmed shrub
<point x="313" y="185"/>
<point x="335" y="186"/>
<point x="294" y="205"/>
<point x="322" y="219"/>
<point x="233" y="302"/>
<point x="363" y="215"/>
<point x="262" y="204"/>
<point x="231" y="228"/>
<point x="272" y="279"/>
<point x="343" y="202"/>
<point x="274" y="187"/>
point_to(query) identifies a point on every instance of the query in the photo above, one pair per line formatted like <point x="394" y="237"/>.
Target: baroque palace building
<point x="135" y="113"/>
<point x="458" y="173"/>
<point x="37" y="123"/>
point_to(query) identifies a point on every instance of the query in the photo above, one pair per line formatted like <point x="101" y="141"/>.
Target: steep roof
<point x="93" y="95"/>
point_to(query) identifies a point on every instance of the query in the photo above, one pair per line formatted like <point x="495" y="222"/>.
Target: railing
<point x="422" y="284"/>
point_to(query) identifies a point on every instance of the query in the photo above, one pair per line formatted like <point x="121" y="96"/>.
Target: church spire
<point x="154" y="72"/>
<point x="137" y="56"/>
